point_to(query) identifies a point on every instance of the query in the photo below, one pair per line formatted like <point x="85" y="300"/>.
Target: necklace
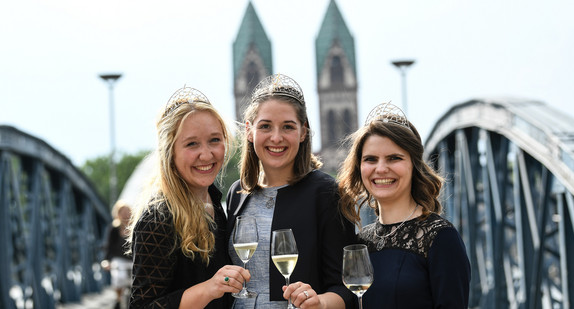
<point x="381" y="244"/>
<point x="271" y="195"/>
<point x="270" y="198"/>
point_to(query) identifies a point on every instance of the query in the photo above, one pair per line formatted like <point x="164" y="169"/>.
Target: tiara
<point x="278" y="84"/>
<point x="387" y="112"/>
<point x="182" y="96"/>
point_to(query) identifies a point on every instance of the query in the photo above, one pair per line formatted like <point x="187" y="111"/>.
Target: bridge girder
<point x="53" y="224"/>
<point x="510" y="180"/>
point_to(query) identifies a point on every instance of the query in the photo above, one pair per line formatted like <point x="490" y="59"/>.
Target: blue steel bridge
<point x="509" y="166"/>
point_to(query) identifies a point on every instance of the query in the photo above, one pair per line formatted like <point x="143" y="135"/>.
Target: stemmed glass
<point x="357" y="270"/>
<point x="245" y="240"/>
<point x="284" y="254"/>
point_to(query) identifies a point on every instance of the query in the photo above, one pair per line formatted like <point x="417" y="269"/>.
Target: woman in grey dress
<point x="281" y="186"/>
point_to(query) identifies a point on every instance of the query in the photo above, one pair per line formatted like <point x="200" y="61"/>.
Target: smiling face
<point x="276" y="133"/>
<point x="386" y="170"/>
<point x="199" y="150"/>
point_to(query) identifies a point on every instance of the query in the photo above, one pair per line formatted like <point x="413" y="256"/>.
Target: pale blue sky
<point x="53" y="50"/>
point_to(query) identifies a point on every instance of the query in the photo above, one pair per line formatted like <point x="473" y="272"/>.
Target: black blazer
<point x="311" y="209"/>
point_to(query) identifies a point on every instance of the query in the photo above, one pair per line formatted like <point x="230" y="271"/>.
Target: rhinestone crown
<point x="182" y="96"/>
<point x="387" y="112"/>
<point x="278" y="84"/>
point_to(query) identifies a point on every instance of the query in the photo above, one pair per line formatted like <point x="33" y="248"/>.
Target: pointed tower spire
<point x="334" y="29"/>
<point x="336" y="84"/>
<point x="252" y="58"/>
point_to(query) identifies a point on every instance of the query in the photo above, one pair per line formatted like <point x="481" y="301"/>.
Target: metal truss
<point x="52" y="226"/>
<point x="509" y="191"/>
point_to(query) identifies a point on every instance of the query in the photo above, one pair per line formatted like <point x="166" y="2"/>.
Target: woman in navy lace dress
<point x="418" y="257"/>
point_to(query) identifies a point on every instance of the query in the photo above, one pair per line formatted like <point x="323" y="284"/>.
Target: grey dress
<point x="261" y="207"/>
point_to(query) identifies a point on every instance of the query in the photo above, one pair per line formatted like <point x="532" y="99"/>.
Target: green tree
<point x="231" y="173"/>
<point x="98" y="171"/>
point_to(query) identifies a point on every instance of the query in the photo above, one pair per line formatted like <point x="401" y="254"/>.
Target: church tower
<point x="252" y="60"/>
<point x="336" y="84"/>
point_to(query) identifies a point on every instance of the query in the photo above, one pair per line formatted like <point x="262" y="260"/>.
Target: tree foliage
<point x="231" y="173"/>
<point x="98" y="171"/>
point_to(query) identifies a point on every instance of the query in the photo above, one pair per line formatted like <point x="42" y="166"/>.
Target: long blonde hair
<point x="168" y="188"/>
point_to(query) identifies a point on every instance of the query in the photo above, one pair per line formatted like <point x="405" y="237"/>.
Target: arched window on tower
<point x="331" y="123"/>
<point x="336" y="71"/>
<point x="252" y="76"/>
<point x="347" y="127"/>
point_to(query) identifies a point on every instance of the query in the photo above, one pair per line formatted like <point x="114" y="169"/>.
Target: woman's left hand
<point x="302" y="295"/>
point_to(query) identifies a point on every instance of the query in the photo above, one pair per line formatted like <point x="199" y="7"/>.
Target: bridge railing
<point x="52" y="226"/>
<point x="509" y="191"/>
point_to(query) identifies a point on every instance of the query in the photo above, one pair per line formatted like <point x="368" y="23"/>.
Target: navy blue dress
<point x="421" y="264"/>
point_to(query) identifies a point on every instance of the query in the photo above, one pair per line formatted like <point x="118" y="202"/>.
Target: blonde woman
<point x="116" y="261"/>
<point x="178" y="237"/>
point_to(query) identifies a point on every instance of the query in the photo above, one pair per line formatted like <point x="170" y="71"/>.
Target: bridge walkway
<point x="106" y="299"/>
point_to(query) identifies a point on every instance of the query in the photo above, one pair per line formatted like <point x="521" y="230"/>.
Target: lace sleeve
<point x="154" y="262"/>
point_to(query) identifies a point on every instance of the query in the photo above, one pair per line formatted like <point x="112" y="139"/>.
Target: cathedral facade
<point x="336" y="76"/>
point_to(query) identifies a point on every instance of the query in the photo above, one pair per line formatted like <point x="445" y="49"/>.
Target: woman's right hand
<point x="228" y="279"/>
<point x="199" y="295"/>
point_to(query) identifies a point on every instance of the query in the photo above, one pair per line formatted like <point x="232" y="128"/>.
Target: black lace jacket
<point x="160" y="274"/>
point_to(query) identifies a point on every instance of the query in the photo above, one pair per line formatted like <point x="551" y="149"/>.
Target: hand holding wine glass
<point x="284" y="254"/>
<point x="357" y="270"/>
<point x="245" y="240"/>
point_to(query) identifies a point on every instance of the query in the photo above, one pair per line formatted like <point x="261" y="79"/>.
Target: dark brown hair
<point x="426" y="183"/>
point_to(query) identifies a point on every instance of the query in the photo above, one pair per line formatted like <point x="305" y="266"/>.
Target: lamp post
<point x="403" y="65"/>
<point x="110" y="79"/>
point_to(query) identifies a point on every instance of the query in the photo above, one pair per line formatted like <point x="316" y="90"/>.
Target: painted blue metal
<point x="52" y="225"/>
<point x="509" y="191"/>
<point x="5" y="232"/>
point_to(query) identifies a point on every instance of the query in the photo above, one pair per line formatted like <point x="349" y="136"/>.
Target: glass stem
<point x="244" y="282"/>
<point x="360" y="302"/>
<point x="287" y="283"/>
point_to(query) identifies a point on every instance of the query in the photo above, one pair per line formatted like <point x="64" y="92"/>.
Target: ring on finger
<point x="226" y="279"/>
<point x="306" y="294"/>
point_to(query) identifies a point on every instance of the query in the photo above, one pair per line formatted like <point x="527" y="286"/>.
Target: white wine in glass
<point x="245" y="251"/>
<point x="357" y="270"/>
<point x="245" y="240"/>
<point x="284" y="254"/>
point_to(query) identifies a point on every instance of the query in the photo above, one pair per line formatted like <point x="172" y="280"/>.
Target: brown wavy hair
<point x="426" y="183"/>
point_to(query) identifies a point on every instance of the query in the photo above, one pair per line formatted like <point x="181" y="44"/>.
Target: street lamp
<point x="110" y="79"/>
<point x="403" y="65"/>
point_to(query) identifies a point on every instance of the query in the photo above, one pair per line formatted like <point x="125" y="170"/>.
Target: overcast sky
<point x="51" y="52"/>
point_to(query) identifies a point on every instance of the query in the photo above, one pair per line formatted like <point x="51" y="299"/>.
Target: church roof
<point x="334" y="29"/>
<point x="250" y="33"/>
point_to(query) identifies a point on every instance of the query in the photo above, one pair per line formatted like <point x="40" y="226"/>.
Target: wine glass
<point x="245" y="240"/>
<point x="357" y="270"/>
<point x="284" y="254"/>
